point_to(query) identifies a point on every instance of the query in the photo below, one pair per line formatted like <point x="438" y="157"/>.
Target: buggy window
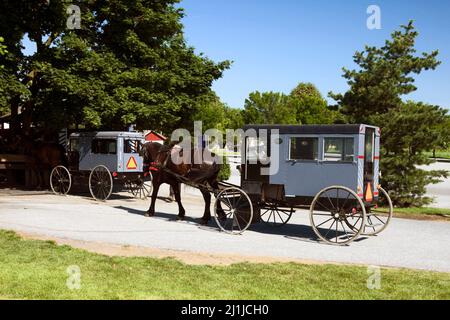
<point x="256" y="150"/>
<point x="74" y="145"/>
<point x="104" y="146"/>
<point x="339" y="149"/>
<point x="304" y="149"/>
<point x="132" y="146"/>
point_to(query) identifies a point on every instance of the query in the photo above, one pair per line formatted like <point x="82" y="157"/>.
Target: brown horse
<point x="44" y="156"/>
<point x="158" y="158"/>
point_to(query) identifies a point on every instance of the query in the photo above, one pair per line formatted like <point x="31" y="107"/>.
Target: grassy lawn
<point x="422" y="211"/>
<point x="442" y="154"/>
<point x="31" y="269"/>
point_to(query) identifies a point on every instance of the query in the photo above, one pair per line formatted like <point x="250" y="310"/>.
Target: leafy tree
<point x="305" y="105"/>
<point x="306" y="90"/>
<point x="384" y="76"/>
<point x="310" y="106"/>
<point x="129" y="63"/>
<point x="268" y="108"/>
<point x="210" y="111"/>
<point x="234" y="118"/>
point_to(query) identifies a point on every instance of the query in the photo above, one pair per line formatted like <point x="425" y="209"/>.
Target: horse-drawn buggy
<point x="332" y="170"/>
<point x="106" y="161"/>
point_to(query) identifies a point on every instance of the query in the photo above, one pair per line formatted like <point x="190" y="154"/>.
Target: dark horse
<point x="44" y="156"/>
<point x="158" y="158"/>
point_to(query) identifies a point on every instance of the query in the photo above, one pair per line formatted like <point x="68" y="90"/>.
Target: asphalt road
<point x="441" y="191"/>
<point x="406" y="243"/>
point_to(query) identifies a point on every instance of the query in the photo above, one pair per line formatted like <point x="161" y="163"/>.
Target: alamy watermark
<point x="73" y="281"/>
<point x="74" y="17"/>
<point x="257" y="144"/>
<point x="374" y="279"/>
<point x="374" y="19"/>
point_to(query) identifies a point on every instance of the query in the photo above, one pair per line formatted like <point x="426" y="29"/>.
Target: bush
<point x="225" y="170"/>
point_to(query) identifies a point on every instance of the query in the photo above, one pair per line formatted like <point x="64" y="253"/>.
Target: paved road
<point x="441" y="191"/>
<point x="407" y="243"/>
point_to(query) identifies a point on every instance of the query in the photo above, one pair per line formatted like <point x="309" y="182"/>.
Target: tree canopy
<point x="304" y="105"/>
<point x="128" y="64"/>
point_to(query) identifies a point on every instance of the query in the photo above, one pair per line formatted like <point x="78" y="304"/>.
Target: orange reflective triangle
<point x="369" y="194"/>
<point x="131" y="165"/>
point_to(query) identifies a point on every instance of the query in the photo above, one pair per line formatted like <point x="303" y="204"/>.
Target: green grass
<point x="441" y="154"/>
<point x="32" y="269"/>
<point x="423" y="211"/>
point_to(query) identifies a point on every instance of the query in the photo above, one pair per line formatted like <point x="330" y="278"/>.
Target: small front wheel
<point x="275" y="216"/>
<point x="233" y="211"/>
<point x="100" y="183"/>
<point x="379" y="217"/>
<point x="338" y="215"/>
<point x="141" y="188"/>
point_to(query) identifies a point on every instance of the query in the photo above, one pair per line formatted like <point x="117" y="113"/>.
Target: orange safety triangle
<point x="131" y="165"/>
<point x="369" y="194"/>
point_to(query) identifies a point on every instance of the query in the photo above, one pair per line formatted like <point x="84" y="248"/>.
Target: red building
<point x="153" y="136"/>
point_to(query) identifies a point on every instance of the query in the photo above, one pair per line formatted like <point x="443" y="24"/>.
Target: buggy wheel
<point x="100" y="183"/>
<point x="338" y="215"/>
<point x="275" y="216"/>
<point x="379" y="217"/>
<point x="60" y="180"/>
<point x="233" y="211"/>
<point x="141" y="188"/>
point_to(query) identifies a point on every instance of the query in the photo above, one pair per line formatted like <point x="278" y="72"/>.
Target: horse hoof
<point x="204" y="222"/>
<point x="181" y="218"/>
<point x="148" y="214"/>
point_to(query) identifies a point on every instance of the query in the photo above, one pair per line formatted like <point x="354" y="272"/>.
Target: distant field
<point x="33" y="269"/>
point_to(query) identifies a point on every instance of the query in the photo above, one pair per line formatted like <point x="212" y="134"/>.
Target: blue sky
<point x="277" y="44"/>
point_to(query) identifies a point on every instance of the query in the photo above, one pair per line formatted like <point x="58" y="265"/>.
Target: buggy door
<point x="369" y="160"/>
<point x="256" y="152"/>
<point x="73" y="155"/>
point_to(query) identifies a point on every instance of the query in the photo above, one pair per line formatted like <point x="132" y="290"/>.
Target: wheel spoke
<point x="332" y="205"/>
<point x="330" y="228"/>
<point x="346" y="200"/>
<point x="278" y="213"/>
<point x="348" y="237"/>
<point x="324" y="223"/>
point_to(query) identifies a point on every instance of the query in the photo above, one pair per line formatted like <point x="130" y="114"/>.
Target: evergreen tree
<point x="385" y="75"/>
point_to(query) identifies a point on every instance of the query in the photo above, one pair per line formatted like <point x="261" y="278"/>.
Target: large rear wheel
<point x="338" y="215"/>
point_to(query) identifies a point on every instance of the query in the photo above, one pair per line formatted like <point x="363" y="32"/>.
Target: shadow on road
<point x="291" y="231"/>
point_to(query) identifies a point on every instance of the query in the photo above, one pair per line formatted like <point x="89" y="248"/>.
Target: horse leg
<point x="207" y="213"/>
<point x="177" y="194"/>
<point x="151" y="210"/>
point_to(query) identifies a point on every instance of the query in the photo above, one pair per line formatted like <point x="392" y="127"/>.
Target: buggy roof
<point x="311" y="129"/>
<point x="107" y="135"/>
